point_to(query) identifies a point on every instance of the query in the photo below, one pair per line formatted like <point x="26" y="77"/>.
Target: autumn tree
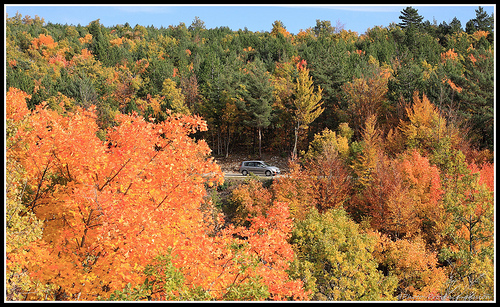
<point x="427" y="130"/>
<point x="66" y="163"/>
<point x="327" y="170"/>
<point x="105" y="204"/>
<point x="419" y="275"/>
<point x="335" y="259"/>
<point x="468" y="202"/>
<point x="279" y="28"/>
<point x="366" y="96"/>
<point x="306" y="105"/>
<point x="23" y="229"/>
<point x="365" y="162"/>
<point x="296" y="191"/>
<point x="249" y="200"/>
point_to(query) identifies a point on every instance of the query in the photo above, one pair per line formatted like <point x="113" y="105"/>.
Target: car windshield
<point x="264" y="164"/>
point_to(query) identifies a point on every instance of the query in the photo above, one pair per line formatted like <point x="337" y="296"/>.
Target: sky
<point x="356" y="18"/>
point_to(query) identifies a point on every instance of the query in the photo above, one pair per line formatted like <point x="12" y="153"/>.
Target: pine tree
<point x="410" y="18"/>
<point x="257" y="97"/>
<point x="482" y="22"/>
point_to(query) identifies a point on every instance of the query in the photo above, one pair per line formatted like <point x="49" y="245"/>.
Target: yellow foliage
<point x="116" y="42"/>
<point x="85" y="40"/>
<point x="426" y="126"/>
<point x="174" y="94"/>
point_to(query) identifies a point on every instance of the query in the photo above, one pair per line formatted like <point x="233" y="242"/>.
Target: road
<point x="235" y="175"/>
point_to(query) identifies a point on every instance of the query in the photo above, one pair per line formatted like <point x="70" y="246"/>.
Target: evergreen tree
<point x="410" y="18"/>
<point x="100" y="44"/>
<point x="482" y="22"/>
<point x="257" y="98"/>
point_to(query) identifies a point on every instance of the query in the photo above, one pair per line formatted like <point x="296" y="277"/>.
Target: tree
<point x="23" y="229"/>
<point x="100" y="43"/>
<point x="482" y="22"/>
<point x="420" y="277"/>
<point x="175" y="98"/>
<point x="410" y="19"/>
<point x="119" y="204"/>
<point x="279" y="28"/>
<point x="323" y="28"/>
<point x="197" y="24"/>
<point x="468" y="201"/>
<point x="257" y="98"/>
<point x="365" y="163"/>
<point x="335" y="259"/>
<point x="427" y="130"/>
<point x="306" y="105"/>
<point x="96" y="227"/>
<point x="326" y="169"/>
<point x="366" y="96"/>
<point x="478" y="98"/>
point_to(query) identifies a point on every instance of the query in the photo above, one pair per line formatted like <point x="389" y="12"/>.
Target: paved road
<point x="240" y="176"/>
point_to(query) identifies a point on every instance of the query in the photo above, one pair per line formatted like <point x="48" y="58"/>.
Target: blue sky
<point x="255" y="17"/>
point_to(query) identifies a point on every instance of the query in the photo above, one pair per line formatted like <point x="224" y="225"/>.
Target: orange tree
<point x="110" y="208"/>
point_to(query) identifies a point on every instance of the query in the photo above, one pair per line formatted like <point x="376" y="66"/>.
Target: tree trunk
<point x="228" y="139"/>
<point x="294" y="152"/>
<point x="260" y="142"/>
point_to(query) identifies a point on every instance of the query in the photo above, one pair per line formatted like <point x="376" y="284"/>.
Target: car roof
<point x="254" y="161"/>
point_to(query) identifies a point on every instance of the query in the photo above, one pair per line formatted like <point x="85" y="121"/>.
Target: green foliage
<point x="329" y="143"/>
<point x="410" y="18"/>
<point x="334" y="258"/>
<point x="161" y="276"/>
<point x="469" y="204"/>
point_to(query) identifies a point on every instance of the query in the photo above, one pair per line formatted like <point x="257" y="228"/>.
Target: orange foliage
<point x="422" y="178"/>
<point x="479" y="34"/>
<point x="386" y="201"/>
<point x="251" y="199"/>
<point x="295" y="190"/>
<point x="116" y="42"/>
<point x="425" y="191"/>
<point x="452" y="85"/>
<point x="449" y="55"/>
<point x="268" y="238"/>
<point x="420" y="278"/>
<point x="43" y="40"/>
<point x="472" y="58"/>
<point x="59" y="60"/>
<point x="110" y="207"/>
<point x="404" y="198"/>
<point x="329" y="181"/>
<point x="16" y="108"/>
<point x="487" y="176"/>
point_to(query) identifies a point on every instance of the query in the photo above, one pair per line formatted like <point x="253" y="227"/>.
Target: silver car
<point x="258" y="167"/>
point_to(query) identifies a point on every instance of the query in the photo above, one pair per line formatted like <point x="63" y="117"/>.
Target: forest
<point x="113" y="192"/>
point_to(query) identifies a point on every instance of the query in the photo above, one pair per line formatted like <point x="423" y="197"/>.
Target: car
<point x="257" y="167"/>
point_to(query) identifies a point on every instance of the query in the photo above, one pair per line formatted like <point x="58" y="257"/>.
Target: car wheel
<point x="268" y="173"/>
<point x="244" y="173"/>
